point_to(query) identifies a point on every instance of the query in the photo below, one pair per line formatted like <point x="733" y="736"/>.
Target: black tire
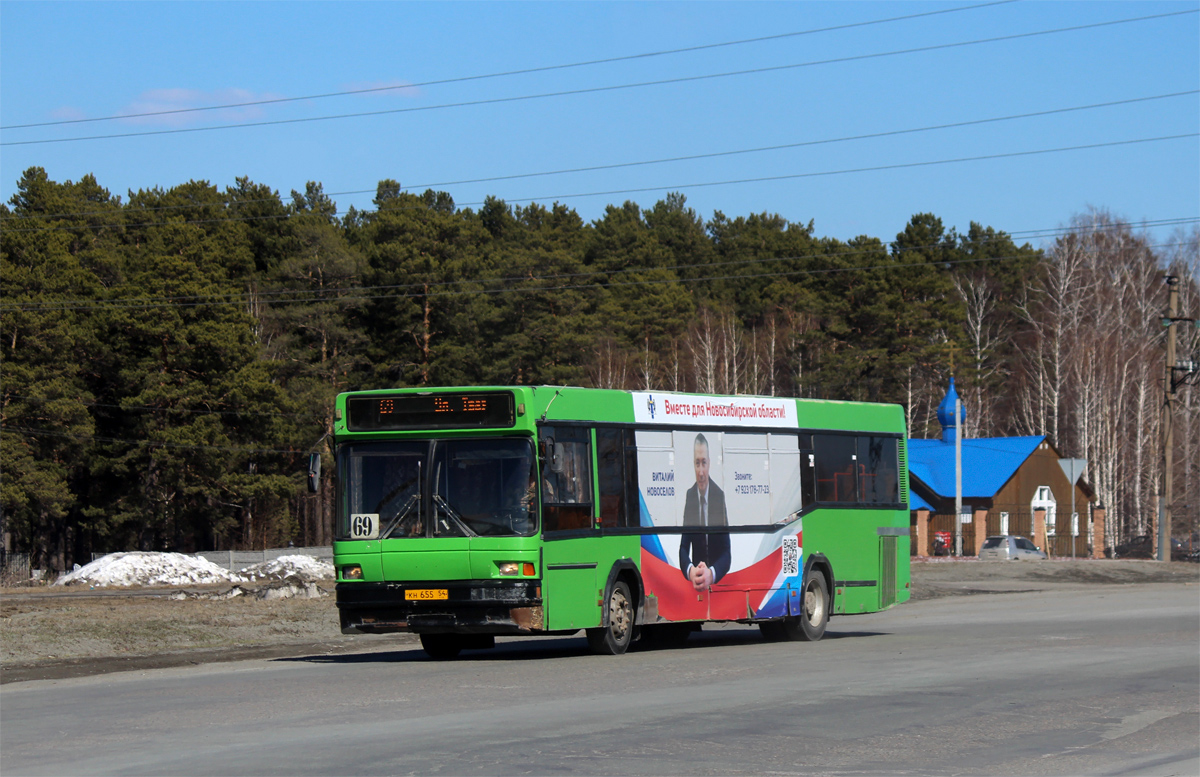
<point x="441" y="647"/>
<point x="614" y="638"/>
<point x="810" y="625"/>
<point x="814" y="610"/>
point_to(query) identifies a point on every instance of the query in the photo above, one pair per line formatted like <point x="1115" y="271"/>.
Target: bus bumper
<point x="469" y="607"/>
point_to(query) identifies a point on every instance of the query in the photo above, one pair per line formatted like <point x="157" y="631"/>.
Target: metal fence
<point x="233" y="560"/>
<point x="945" y="523"/>
<point x="1019" y="521"/>
<point x="14" y="565"/>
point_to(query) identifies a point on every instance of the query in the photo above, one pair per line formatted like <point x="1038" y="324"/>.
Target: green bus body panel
<point x="426" y="565"/>
<point x="371" y="563"/>
<point x="433" y="559"/>
<point x="573" y="594"/>
<point x="574" y="571"/>
<point x="851" y="541"/>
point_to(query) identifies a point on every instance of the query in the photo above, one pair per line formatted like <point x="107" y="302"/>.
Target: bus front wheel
<point x="613" y="639"/>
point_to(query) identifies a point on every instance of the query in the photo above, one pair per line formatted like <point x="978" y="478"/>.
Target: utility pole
<point x="958" y="518"/>
<point x="1164" y="504"/>
<point x="1073" y="469"/>
<point x="1177" y="373"/>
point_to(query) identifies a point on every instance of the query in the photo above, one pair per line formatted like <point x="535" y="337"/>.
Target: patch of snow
<point x="306" y="568"/>
<point x="140" y="568"/>
<point x="290" y="590"/>
<point x="166" y="569"/>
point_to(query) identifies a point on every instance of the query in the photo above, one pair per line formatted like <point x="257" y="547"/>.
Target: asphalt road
<point x="1099" y="680"/>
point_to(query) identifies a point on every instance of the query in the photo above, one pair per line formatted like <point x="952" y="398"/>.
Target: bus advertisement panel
<point x="734" y="499"/>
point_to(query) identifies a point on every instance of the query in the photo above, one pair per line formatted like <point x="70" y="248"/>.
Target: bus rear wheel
<point x="810" y="625"/>
<point x="814" y="610"/>
<point x="614" y="639"/>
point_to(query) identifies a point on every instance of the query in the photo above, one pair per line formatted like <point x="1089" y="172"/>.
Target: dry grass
<point x="115" y="625"/>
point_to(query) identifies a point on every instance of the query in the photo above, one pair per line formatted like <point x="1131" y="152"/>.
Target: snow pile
<point x="138" y="568"/>
<point x="167" y="569"/>
<point x="306" y="568"/>
<point x="291" y="588"/>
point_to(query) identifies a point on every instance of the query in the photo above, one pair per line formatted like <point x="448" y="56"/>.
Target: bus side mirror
<point x="558" y="456"/>
<point x="314" y="472"/>
<point x="552" y="454"/>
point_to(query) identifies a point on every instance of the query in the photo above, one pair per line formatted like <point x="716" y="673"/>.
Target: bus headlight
<point x="352" y="572"/>
<point x="508" y="568"/>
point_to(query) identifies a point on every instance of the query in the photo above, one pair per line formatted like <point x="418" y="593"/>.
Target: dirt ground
<point x="50" y="633"/>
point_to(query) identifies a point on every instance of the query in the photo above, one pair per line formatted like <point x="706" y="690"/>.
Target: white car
<point x="1010" y="548"/>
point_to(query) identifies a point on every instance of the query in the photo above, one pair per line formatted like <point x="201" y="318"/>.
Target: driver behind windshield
<point x="491" y="494"/>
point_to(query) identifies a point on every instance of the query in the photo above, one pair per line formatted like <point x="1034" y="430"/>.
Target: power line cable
<point x="642" y="163"/>
<point x="601" y="89"/>
<point x="672" y="187"/>
<point x="802" y="144"/>
<point x="875" y="168"/>
<point x="507" y="73"/>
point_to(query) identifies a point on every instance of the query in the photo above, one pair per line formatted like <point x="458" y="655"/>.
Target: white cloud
<point x="159" y="101"/>
<point x="67" y="113"/>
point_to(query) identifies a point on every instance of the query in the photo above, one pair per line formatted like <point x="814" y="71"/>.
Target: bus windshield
<point x="440" y="488"/>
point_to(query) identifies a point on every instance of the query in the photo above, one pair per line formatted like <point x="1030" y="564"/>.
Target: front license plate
<point x="426" y="594"/>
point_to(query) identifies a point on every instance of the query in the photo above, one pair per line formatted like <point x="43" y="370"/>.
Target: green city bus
<point x="467" y="513"/>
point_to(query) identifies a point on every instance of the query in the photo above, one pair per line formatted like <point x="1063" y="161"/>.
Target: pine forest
<point x="170" y="358"/>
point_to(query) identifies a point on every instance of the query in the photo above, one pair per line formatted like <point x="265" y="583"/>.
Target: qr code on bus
<point x="791" y="556"/>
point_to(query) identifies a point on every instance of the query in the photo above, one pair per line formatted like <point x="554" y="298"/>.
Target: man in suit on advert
<point x="704" y="557"/>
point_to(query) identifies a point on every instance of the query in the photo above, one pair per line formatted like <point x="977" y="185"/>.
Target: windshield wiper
<point x="402" y="516"/>
<point x="453" y="515"/>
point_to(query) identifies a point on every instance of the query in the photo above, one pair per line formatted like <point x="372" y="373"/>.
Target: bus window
<point x="381" y="482"/>
<point x="610" y="460"/>
<point x="836" y="481"/>
<point x="566" y="479"/>
<point x="878" y="473"/>
<point x="480" y="488"/>
<point x="808" y="471"/>
<point x="616" y="453"/>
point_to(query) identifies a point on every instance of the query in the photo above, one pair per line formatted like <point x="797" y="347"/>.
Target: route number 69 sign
<point x="364" y="526"/>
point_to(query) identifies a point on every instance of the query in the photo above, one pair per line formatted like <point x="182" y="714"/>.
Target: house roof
<point x="987" y="464"/>
<point x="917" y="502"/>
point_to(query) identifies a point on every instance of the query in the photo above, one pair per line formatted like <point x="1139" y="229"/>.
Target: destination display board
<point x="458" y="410"/>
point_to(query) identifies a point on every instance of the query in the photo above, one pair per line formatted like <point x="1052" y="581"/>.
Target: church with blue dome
<point x="1010" y="485"/>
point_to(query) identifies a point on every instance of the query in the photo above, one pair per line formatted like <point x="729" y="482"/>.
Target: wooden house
<point x="1010" y="485"/>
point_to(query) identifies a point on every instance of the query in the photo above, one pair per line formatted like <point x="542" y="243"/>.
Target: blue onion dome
<point x="946" y="414"/>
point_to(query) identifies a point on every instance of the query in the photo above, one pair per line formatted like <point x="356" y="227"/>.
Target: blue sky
<point x="90" y="60"/>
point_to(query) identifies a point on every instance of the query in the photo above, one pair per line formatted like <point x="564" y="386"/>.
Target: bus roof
<point x="533" y="404"/>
